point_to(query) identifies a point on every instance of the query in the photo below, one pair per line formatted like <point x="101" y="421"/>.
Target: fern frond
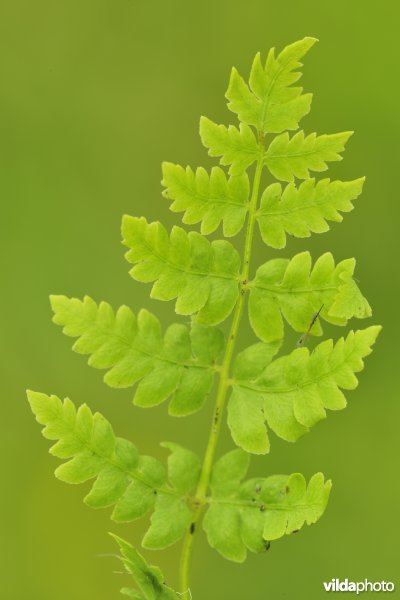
<point x="203" y="276"/>
<point x="289" y="289"/>
<point x="300" y="211"/>
<point x="288" y="158"/>
<point x="292" y="393"/>
<point x="236" y="147"/>
<point x="180" y="364"/>
<point x="149" y="579"/>
<point x="208" y="281"/>
<point x="247" y="516"/>
<point x="132" y="483"/>
<point x="270" y="104"/>
<point x="208" y="199"/>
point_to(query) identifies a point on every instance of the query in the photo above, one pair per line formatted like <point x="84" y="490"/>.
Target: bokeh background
<point x="94" y="95"/>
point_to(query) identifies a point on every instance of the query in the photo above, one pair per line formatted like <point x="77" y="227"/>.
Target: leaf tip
<point x="31" y="395"/>
<point x="234" y="72"/>
<point x="375" y="330"/>
<point x="34" y="399"/>
<point x="166" y="167"/>
<point x="56" y="300"/>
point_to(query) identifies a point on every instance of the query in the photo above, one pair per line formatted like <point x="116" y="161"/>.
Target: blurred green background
<point x="95" y="95"/>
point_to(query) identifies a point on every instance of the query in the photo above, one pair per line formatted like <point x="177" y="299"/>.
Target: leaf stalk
<point x="224" y="381"/>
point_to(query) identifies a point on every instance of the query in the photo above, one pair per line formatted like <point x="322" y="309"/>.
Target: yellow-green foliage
<point x="210" y="281"/>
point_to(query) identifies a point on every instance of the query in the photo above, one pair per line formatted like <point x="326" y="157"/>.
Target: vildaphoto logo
<point x="336" y="585"/>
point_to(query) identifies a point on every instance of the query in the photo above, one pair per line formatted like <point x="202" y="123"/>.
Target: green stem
<point x="199" y="499"/>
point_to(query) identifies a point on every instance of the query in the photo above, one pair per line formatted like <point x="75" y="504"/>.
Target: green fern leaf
<point x="203" y="276"/>
<point x="208" y="199"/>
<point x="290" y="289"/>
<point x="208" y="281"/>
<point x="132" y="483"/>
<point x="236" y="147"/>
<point x="149" y="580"/>
<point x="247" y="516"/>
<point x="292" y="393"/>
<point x="270" y="104"/>
<point x="288" y="158"/>
<point x="300" y="211"/>
<point x="134" y="350"/>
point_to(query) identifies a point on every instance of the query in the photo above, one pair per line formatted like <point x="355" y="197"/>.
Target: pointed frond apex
<point x="269" y="102"/>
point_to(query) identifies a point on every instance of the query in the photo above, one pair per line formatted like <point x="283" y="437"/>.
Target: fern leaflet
<point x="132" y="483"/>
<point x="236" y="147"/>
<point x="288" y="158"/>
<point x="202" y="276"/>
<point x="248" y="515"/>
<point x="290" y="289"/>
<point x="181" y="364"/>
<point x="207" y="198"/>
<point x="300" y="211"/>
<point x="292" y="393"/>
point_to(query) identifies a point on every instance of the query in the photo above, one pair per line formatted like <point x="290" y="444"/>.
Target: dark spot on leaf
<point x="287" y="489"/>
<point x="295" y="530"/>
<point x="267" y="545"/>
<point x="192" y="528"/>
<point x="262" y="508"/>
